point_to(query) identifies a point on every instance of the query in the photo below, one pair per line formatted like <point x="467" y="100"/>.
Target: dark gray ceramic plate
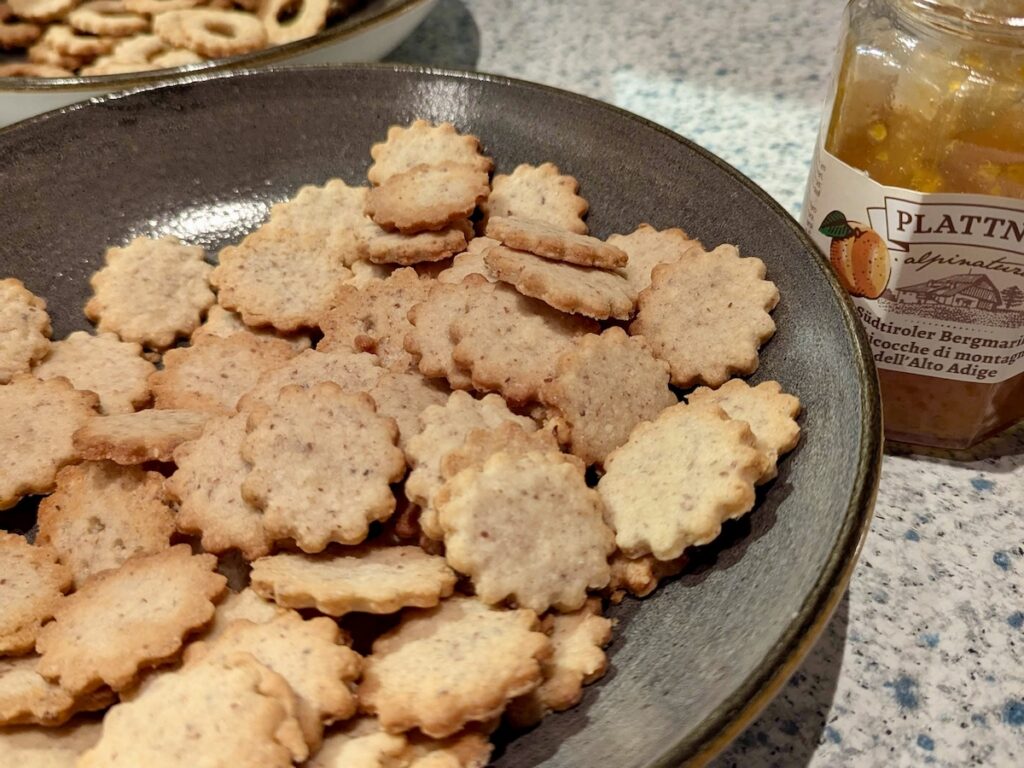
<point x="695" y="662"/>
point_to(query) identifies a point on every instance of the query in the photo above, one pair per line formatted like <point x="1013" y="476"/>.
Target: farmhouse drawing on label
<point x="970" y="297"/>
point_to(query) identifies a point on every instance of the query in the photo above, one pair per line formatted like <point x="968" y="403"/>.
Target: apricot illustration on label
<point x="858" y="254"/>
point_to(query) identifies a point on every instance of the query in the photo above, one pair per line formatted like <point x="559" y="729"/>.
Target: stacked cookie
<point x="448" y="451"/>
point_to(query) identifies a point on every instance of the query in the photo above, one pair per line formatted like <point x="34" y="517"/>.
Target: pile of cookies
<point x="62" y="38"/>
<point x="428" y="427"/>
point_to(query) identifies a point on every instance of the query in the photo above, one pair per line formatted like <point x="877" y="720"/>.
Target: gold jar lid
<point x="994" y="20"/>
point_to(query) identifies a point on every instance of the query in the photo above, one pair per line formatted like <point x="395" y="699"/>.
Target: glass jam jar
<point x="916" y="195"/>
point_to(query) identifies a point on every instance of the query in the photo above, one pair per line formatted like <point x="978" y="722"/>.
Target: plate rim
<point x="742" y="706"/>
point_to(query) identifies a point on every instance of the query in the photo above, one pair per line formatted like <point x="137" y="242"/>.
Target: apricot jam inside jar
<point x="916" y="195"/>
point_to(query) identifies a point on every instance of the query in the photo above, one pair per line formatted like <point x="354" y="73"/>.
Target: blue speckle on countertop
<point x="928" y="639"/>
<point x="924" y="741"/>
<point x="1016" y="619"/>
<point x="1001" y="559"/>
<point x="833" y="735"/>
<point x="912" y="535"/>
<point x="982" y="484"/>
<point x="1013" y="712"/>
<point x="905" y="691"/>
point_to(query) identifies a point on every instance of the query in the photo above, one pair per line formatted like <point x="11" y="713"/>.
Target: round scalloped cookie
<point x="115" y="370"/>
<point x="423" y="142"/>
<point x="30" y="591"/>
<point x="24" y="329"/>
<point x="37" y="421"/>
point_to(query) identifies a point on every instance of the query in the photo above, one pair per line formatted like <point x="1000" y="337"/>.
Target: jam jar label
<point x="937" y="279"/>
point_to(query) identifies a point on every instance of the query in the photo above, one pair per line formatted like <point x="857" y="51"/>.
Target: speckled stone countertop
<point x="923" y="662"/>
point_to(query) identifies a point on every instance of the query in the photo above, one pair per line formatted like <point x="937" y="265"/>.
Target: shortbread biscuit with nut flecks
<point x="207" y="486"/>
<point x="648" y="247"/>
<point x="195" y="711"/>
<point x="429" y="341"/>
<point x="327" y="214"/>
<point x="115" y="370"/>
<point x="223" y="323"/>
<point x="469" y="748"/>
<point x="382" y="247"/>
<point x="306" y="653"/>
<point x="470" y="262"/>
<point x="706" y="315"/>
<point x="365" y="272"/>
<point x="120" y="622"/>
<point x="135" y="438"/>
<point x="211" y="375"/>
<point x="427" y="197"/>
<point x="527" y="528"/>
<point x="510" y="438"/>
<point x="352" y="371"/>
<point x="360" y="743"/>
<point x="596" y="293"/>
<point x="375" y="318"/>
<point x="28" y="697"/>
<point x="245" y="604"/>
<point x="553" y="242"/>
<point x="577" y="659"/>
<point x="604" y="387"/>
<point x="151" y="291"/>
<point x="640" y="576"/>
<point x="367" y="579"/>
<point x="421" y="142"/>
<point x="539" y="192"/>
<point x="287" y="272"/>
<point x="403" y="397"/>
<point x="30" y="591"/>
<point x="322" y="461"/>
<point x="445" y="428"/>
<point x="24" y="329"/>
<point x="37" y="420"/>
<point x="444" y="667"/>
<point x="769" y="411"/>
<point x="511" y="343"/>
<point x="102" y="514"/>
<point x="698" y="468"/>
<point x="30" y="746"/>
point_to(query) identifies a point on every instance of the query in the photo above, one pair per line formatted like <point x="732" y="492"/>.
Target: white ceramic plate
<point x="369" y="34"/>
